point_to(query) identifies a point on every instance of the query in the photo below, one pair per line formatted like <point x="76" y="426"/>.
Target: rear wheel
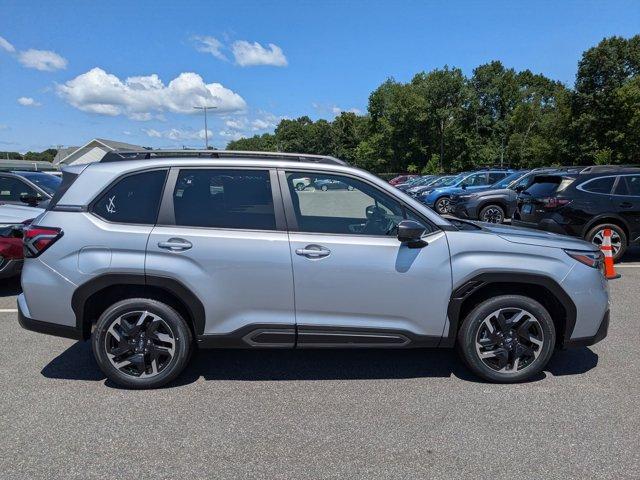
<point x="442" y="205"/>
<point x="492" y="214"/>
<point x="141" y="343"/>
<point x="618" y="238"/>
<point x="507" y="339"/>
<point x="299" y="186"/>
<point x="324" y="188"/>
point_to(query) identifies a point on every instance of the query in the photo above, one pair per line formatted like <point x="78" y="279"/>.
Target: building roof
<point x="101" y="143"/>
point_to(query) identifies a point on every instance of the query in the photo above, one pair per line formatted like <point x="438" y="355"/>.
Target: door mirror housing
<point x="31" y="200"/>
<point x="410" y="232"/>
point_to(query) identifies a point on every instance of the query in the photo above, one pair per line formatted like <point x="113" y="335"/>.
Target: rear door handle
<point x="175" y="244"/>
<point x="313" y="251"/>
<point x="626" y="205"/>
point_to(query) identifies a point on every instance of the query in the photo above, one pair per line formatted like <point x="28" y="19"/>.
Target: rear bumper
<point x="39" y="326"/>
<point x="586" y="341"/>
<point x="10" y="268"/>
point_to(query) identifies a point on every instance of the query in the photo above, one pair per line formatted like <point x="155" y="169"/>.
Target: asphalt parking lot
<point x="323" y="414"/>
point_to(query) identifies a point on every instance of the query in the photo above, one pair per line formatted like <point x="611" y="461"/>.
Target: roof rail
<point x="123" y="155"/>
<point x="607" y="168"/>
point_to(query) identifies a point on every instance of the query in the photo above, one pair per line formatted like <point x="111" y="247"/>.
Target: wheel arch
<point x="541" y="288"/>
<point x="93" y="297"/>
<point x="608" y="218"/>
<point x="494" y="201"/>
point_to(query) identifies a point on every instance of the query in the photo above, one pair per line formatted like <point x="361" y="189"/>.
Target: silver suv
<point x="152" y="255"/>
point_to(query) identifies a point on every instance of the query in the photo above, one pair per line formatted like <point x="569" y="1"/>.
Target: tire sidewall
<point x="469" y="329"/>
<point x="181" y="331"/>
<point x="618" y="230"/>
<point x="438" y="203"/>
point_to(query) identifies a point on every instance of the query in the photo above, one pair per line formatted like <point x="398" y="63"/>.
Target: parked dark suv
<point x="584" y="204"/>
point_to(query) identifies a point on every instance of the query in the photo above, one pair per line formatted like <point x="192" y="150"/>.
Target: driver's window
<point x="342" y="205"/>
<point x="476" y="180"/>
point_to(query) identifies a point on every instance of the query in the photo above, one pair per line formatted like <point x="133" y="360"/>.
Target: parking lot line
<point x="629" y="265"/>
<point x="8" y="310"/>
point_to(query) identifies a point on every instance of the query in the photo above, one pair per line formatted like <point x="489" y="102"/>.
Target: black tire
<point x="494" y="214"/>
<point x="324" y="188"/>
<point x="593" y="236"/>
<point x="441" y="205"/>
<point x="173" y="325"/>
<point x="473" y="327"/>
<point x="300" y="187"/>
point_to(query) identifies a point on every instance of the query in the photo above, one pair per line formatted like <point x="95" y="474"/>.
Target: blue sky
<point x="131" y="71"/>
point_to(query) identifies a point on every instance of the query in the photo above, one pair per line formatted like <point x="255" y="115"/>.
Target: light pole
<point x="206" y="130"/>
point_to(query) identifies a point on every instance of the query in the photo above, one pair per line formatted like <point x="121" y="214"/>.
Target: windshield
<point x="505" y="182"/>
<point x="48" y="183"/>
<point x="444" y="181"/>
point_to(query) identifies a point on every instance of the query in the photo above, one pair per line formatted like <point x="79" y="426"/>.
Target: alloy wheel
<point x="140" y="344"/>
<point x="443" y="205"/>
<point x="509" y="340"/>
<point x="616" y="241"/>
<point x="493" y="215"/>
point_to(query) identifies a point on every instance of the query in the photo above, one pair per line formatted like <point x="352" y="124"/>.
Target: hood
<point x="11" y="214"/>
<point x="529" y="236"/>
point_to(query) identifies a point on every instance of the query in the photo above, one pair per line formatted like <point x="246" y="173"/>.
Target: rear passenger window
<point x="134" y="199"/>
<point x="224" y="199"/>
<point x="599" y="185"/>
<point x="629" y="185"/>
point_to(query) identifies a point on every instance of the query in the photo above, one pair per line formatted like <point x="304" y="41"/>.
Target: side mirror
<point x="31" y="200"/>
<point x="410" y="232"/>
<point x="520" y="188"/>
<point x="463" y="186"/>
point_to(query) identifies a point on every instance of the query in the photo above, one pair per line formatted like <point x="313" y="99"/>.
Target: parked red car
<point x="401" y="179"/>
<point x="11" y="253"/>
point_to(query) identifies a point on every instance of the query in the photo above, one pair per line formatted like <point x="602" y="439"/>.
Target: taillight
<point x="554" y="202"/>
<point x="37" y="239"/>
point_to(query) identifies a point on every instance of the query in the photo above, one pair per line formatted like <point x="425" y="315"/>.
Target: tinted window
<point x="134" y="199"/>
<point x="351" y="207"/>
<point x="496" y="177"/>
<point x="599" y="185"/>
<point x="629" y="185"/>
<point x="548" y="185"/>
<point x="48" y="183"/>
<point x="11" y="189"/>
<point x="224" y="199"/>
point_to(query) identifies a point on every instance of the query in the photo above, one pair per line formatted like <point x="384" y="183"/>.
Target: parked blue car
<point x="438" y="199"/>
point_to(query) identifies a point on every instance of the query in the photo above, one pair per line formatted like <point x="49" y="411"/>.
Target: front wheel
<point x="141" y="343"/>
<point x="507" y="339"/>
<point x="300" y="187"/>
<point x="442" y="205"/>
<point x="324" y="188"/>
<point x="492" y="214"/>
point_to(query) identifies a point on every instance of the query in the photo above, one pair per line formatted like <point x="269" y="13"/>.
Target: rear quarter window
<point x="599" y="185"/>
<point x="548" y="185"/>
<point x="132" y="199"/>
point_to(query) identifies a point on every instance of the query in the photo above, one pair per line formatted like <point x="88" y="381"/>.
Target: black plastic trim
<point x="48" y="328"/>
<point x="84" y="291"/>
<point x="472" y="285"/>
<point x="587" y="341"/>
<point x="257" y="335"/>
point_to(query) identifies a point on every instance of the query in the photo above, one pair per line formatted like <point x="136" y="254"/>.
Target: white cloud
<point x="337" y="110"/>
<point x="248" y="54"/>
<point x="210" y="45"/>
<point x="28" y="102"/>
<point x="44" y="60"/>
<point x="6" y="45"/>
<point x="235" y="135"/>
<point x="236" y="123"/>
<point x="97" y="91"/>
<point x="178" y="134"/>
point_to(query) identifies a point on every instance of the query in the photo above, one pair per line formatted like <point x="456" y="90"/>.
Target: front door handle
<point x="175" y="244"/>
<point x="626" y="205"/>
<point x="313" y="251"/>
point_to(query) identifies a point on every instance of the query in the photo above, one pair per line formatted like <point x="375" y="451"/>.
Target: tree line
<point x="45" y="156"/>
<point x="443" y="121"/>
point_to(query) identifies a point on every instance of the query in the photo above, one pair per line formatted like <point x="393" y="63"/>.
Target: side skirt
<point x="284" y="336"/>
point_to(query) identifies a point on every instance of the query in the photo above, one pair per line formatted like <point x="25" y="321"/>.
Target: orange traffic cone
<point x="607" y="249"/>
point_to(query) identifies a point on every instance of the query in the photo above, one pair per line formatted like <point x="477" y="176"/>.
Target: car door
<point x="476" y="181"/>
<point x="626" y="202"/>
<point x="221" y="233"/>
<point x="355" y="283"/>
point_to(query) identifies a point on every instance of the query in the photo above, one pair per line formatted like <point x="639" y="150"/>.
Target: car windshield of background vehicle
<point x="218" y="198"/>
<point x="13" y="189"/>
<point x="349" y="207"/>
<point x="504" y="183"/>
<point x="48" y="183"/>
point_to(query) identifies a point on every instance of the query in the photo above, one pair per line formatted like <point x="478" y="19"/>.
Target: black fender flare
<point x="464" y="291"/>
<point x="170" y="285"/>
